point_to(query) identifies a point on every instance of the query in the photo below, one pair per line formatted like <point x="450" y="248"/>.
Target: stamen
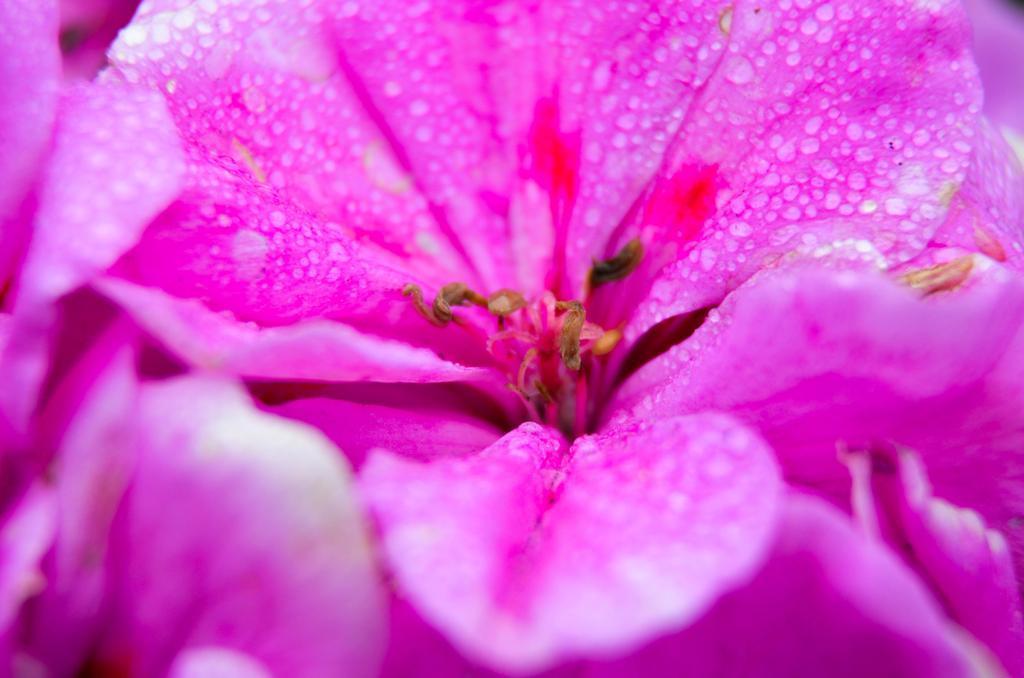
<point x="619" y="266"/>
<point x="454" y="294"/>
<point x="528" y="359"/>
<point x="506" y="335"/>
<point x="590" y="332"/>
<point x="505" y="302"/>
<point x="543" y="390"/>
<point x="940" y="278"/>
<point x="569" y="338"/>
<point x="416" y="293"/>
<point x="531" y="406"/>
<point x="607" y="342"/>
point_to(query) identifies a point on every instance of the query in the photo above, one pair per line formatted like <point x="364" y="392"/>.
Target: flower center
<point x="546" y="345"/>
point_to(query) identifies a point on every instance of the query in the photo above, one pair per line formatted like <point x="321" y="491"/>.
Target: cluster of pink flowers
<point x="474" y="337"/>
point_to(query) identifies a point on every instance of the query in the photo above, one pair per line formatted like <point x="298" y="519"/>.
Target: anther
<point x="543" y="391"/>
<point x="528" y="359"/>
<point x="569" y="338"/>
<point x="607" y="342"/>
<point x="416" y="293"/>
<point x="619" y="266"/>
<point x="941" y="277"/>
<point x="505" y="302"/>
<point x="454" y="294"/>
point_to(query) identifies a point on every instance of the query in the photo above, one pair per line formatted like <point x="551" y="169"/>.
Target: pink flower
<point x="684" y="334"/>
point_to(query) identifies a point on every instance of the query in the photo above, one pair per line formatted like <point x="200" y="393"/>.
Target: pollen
<point x="619" y="266"/>
<point x="414" y="292"/>
<point x="725" y="21"/>
<point x="505" y="302"/>
<point x="454" y="294"/>
<point x="607" y="342"/>
<point x="988" y="243"/>
<point x="249" y="160"/>
<point x="941" y="277"/>
<point x="545" y="345"/>
<point x="569" y="337"/>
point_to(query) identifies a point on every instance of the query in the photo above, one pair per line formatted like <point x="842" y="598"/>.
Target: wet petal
<point x="504" y="113"/>
<point x="453" y="96"/>
<point x="810" y="144"/>
<point x="630" y="78"/>
<point x="523" y="558"/>
<point x="116" y="163"/>
<point x="29" y="78"/>
<point x="812" y="357"/>
<point x="828" y="602"/>
<point x="295" y="206"/>
<point x="987" y="213"/>
<point x="319" y="350"/>
<point x="267" y="95"/>
<point x="243" y="248"/>
<point x="969" y="564"/>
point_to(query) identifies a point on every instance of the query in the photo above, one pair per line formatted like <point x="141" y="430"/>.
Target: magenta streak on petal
<point x="556" y="167"/>
<point x="776" y="126"/>
<point x="628" y="137"/>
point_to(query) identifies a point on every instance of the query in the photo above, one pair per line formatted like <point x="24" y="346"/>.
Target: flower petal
<point x="968" y="563"/>
<point x="215" y="662"/>
<point x="812" y="357"/>
<point x="268" y="96"/>
<point x="116" y="163"/>
<point x="318" y="350"/>
<point x="987" y="214"/>
<point x="87" y="27"/>
<point x="425" y="426"/>
<point x="453" y="97"/>
<point x="523" y="559"/>
<point x="999" y="42"/>
<point x="295" y="206"/>
<point x="630" y="76"/>
<point x="26" y="533"/>
<point x="293" y="586"/>
<point x="813" y="143"/>
<point x="827" y="602"/>
<point x="29" y="79"/>
<point x="91" y="419"/>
